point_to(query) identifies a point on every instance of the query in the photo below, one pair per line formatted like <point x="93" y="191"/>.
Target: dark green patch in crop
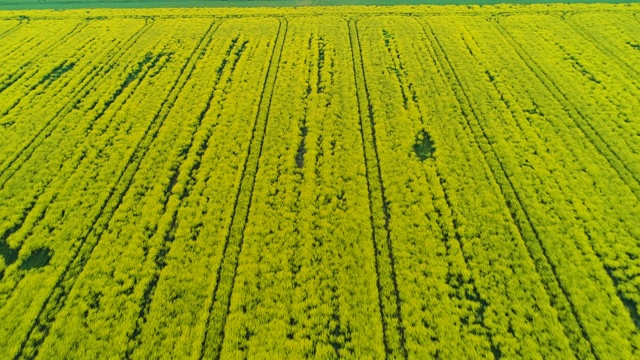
<point x="635" y="46"/>
<point x="321" y="49"/>
<point x="149" y="60"/>
<point x="491" y="76"/>
<point x="631" y="305"/>
<point x="10" y="255"/>
<point x="38" y="258"/>
<point x="301" y="148"/>
<point x="423" y="147"/>
<point x="58" y="72"/>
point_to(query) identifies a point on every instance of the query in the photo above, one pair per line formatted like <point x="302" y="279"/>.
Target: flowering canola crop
<point x="350" y="182"/>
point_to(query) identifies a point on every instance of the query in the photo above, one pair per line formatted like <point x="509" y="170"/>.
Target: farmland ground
<point x="347" y="182"/>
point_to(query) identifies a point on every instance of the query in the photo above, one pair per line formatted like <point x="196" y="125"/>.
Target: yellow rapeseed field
<point x="345" y="182"/>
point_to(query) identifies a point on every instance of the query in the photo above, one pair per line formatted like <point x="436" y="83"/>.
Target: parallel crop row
<point x="614" y="34"/>
<point x="560" y="179"/>
<point x="8" y="26"/>
<point x="90" y="260"/>
<point x="22" y="92"/>
<point x="610" y="227"/>
<point x="473" y="265"/>
<point x="390" y="305"/>
<point x="27" y="187"/>
<point x="307" y="243"/>
<point x="50" y="97"/>
<point x="24" y="49"/>
<point x="601" y="98"/>
<point x="245" y="169"/>
<point x="201" y="190"/>
<point x="380" y="183"/>
<point x="65" y="218"/>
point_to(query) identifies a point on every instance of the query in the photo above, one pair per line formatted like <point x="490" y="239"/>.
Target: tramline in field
<point x="342" y="182"/>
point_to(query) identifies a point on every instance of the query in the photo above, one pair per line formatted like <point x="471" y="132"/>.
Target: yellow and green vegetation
<point x="347" y="182"/>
